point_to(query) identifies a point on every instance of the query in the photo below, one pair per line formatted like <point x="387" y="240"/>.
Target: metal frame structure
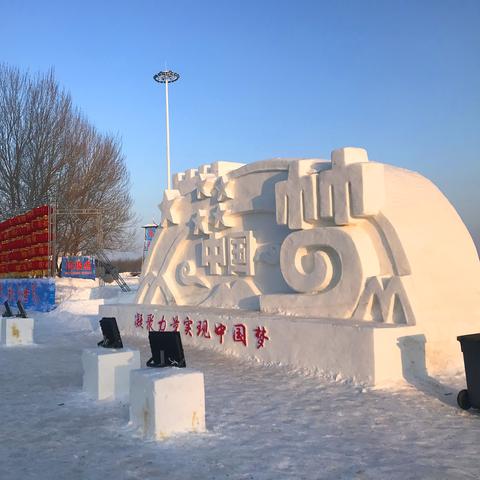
<point x="52" y="240"/>
<point x="167" y="77"/>
<point x="78" y="212"/>
<point x="53" y="213"/>
<point x="85" y="211"/>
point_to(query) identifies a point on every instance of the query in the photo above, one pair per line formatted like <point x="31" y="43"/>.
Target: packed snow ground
<point x="264" y="422"/>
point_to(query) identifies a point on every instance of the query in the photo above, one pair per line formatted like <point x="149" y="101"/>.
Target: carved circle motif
<point x="317" y="265"/>
<point x="312" y="260"/>
<point x="186" y="275"/>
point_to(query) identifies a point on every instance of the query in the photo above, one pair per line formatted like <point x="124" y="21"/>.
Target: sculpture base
<point x="167" y="401"/>
<point x="16" y="331"/>
<point x="366" y="352"/>
<point x="106" y="372"/>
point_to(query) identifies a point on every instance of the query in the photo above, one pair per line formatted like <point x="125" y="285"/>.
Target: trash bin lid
<point x="474" y="337"/>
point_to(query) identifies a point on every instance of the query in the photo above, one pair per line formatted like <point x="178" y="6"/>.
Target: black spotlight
<point x="111" y="335"/>
<point x="167" y="350"/>
<point x="8" y="310"/>
<point x="21" y="310"/>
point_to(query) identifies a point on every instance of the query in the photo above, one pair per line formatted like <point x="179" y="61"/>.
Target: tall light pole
<point x="166" y="78"/>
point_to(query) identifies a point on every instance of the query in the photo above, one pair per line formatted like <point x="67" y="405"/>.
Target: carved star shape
<point x="224" y="189"/>
<point x="169" y="208"/>
<point x="221" y="217"/>
<point x="205" y="184"/>
<point x="201" y="222"/>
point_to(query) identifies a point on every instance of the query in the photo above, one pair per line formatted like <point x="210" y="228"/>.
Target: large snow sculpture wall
<point x="347" y="239"/>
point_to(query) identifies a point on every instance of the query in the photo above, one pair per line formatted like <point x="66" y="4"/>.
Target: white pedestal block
<point x="165" y="401"/>
<point x="16" y="331"/>
<point x="106" y="372"/>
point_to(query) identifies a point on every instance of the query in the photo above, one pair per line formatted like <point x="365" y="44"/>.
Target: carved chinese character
<point x="353" y="187"/>
<point x="213" y="254"/>
<point x="296" y="198"/>
<point x="241" y="251"/>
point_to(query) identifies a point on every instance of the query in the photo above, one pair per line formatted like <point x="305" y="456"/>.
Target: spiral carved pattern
<point x="311" y="260"/>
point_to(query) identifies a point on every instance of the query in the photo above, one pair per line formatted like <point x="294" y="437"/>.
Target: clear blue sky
<point x="262" y="79"/>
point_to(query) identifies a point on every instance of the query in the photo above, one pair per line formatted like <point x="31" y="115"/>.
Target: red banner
<point x="24" y="244"/>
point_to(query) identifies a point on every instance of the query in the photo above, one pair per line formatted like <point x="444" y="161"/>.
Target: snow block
<point x="165" y="401"/>
<point x="106" y="372"/>
<point x="16" y="331"/>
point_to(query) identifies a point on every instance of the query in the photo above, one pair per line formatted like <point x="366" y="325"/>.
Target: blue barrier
<point x="35" y="293"/>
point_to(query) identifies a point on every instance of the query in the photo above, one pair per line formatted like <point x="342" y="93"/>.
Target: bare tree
<point x="50" y="153"/>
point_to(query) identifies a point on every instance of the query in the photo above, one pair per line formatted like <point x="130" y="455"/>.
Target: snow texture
<point x="264" y="422"/>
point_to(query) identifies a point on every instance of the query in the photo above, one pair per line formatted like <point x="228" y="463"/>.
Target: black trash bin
<point x="471" y="357"/>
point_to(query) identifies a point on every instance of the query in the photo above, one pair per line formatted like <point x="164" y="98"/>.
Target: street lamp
<point x="166" y="78"/>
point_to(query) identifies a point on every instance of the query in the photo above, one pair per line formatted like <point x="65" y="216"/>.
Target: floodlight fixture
<point x="167" y="77"/>
<point x="167" y="350"/>
<point x="21" y="310"/>
<point x="8" y="311"/>
<point x="111" y="334"/>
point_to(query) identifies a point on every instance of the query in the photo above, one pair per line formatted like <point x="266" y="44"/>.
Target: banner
<point x="26" y="244"/>
<point x="35" y="293"/>
<point x="78" y="267"/>
<point x="149" y="234"/>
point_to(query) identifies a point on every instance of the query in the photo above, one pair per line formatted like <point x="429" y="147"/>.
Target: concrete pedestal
<point x="16" y="331"/>
<point x="166" y="401"/>
<point x="106" y="372"/>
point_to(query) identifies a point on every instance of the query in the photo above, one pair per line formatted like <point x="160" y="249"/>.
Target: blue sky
<point x="262" y="79"/>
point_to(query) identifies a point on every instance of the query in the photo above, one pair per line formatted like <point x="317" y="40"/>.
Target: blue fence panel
<point x="35" y="293"/>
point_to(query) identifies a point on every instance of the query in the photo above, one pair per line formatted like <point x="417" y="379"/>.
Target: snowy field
<point x="263" y="422"/>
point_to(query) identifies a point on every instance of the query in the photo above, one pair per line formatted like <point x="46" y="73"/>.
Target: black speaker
<point x="21" y="311"/>
<point x="8" y="310"/>
<point x="167" y="350"/>
<point x="111" y="335"/>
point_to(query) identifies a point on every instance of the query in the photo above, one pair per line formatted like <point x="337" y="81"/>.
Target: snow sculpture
<point x="350" y="241"/>
<point x="356" y="239"/>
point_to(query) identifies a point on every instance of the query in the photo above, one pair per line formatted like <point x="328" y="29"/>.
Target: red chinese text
<point x="149" y="323"/>
<point x="220" y="330"/>
<point x="138" y="320"/>
<point x="240" y="333"/>
<point x="188" y="326"/>
<point x="162" y="324"/>
<point x="202" y="329"/>
<point x="261" y="336"/>
<point x="175" y="323"/>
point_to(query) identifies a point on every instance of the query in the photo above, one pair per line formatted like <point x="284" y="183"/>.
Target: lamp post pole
<point x="166" y="78"/>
